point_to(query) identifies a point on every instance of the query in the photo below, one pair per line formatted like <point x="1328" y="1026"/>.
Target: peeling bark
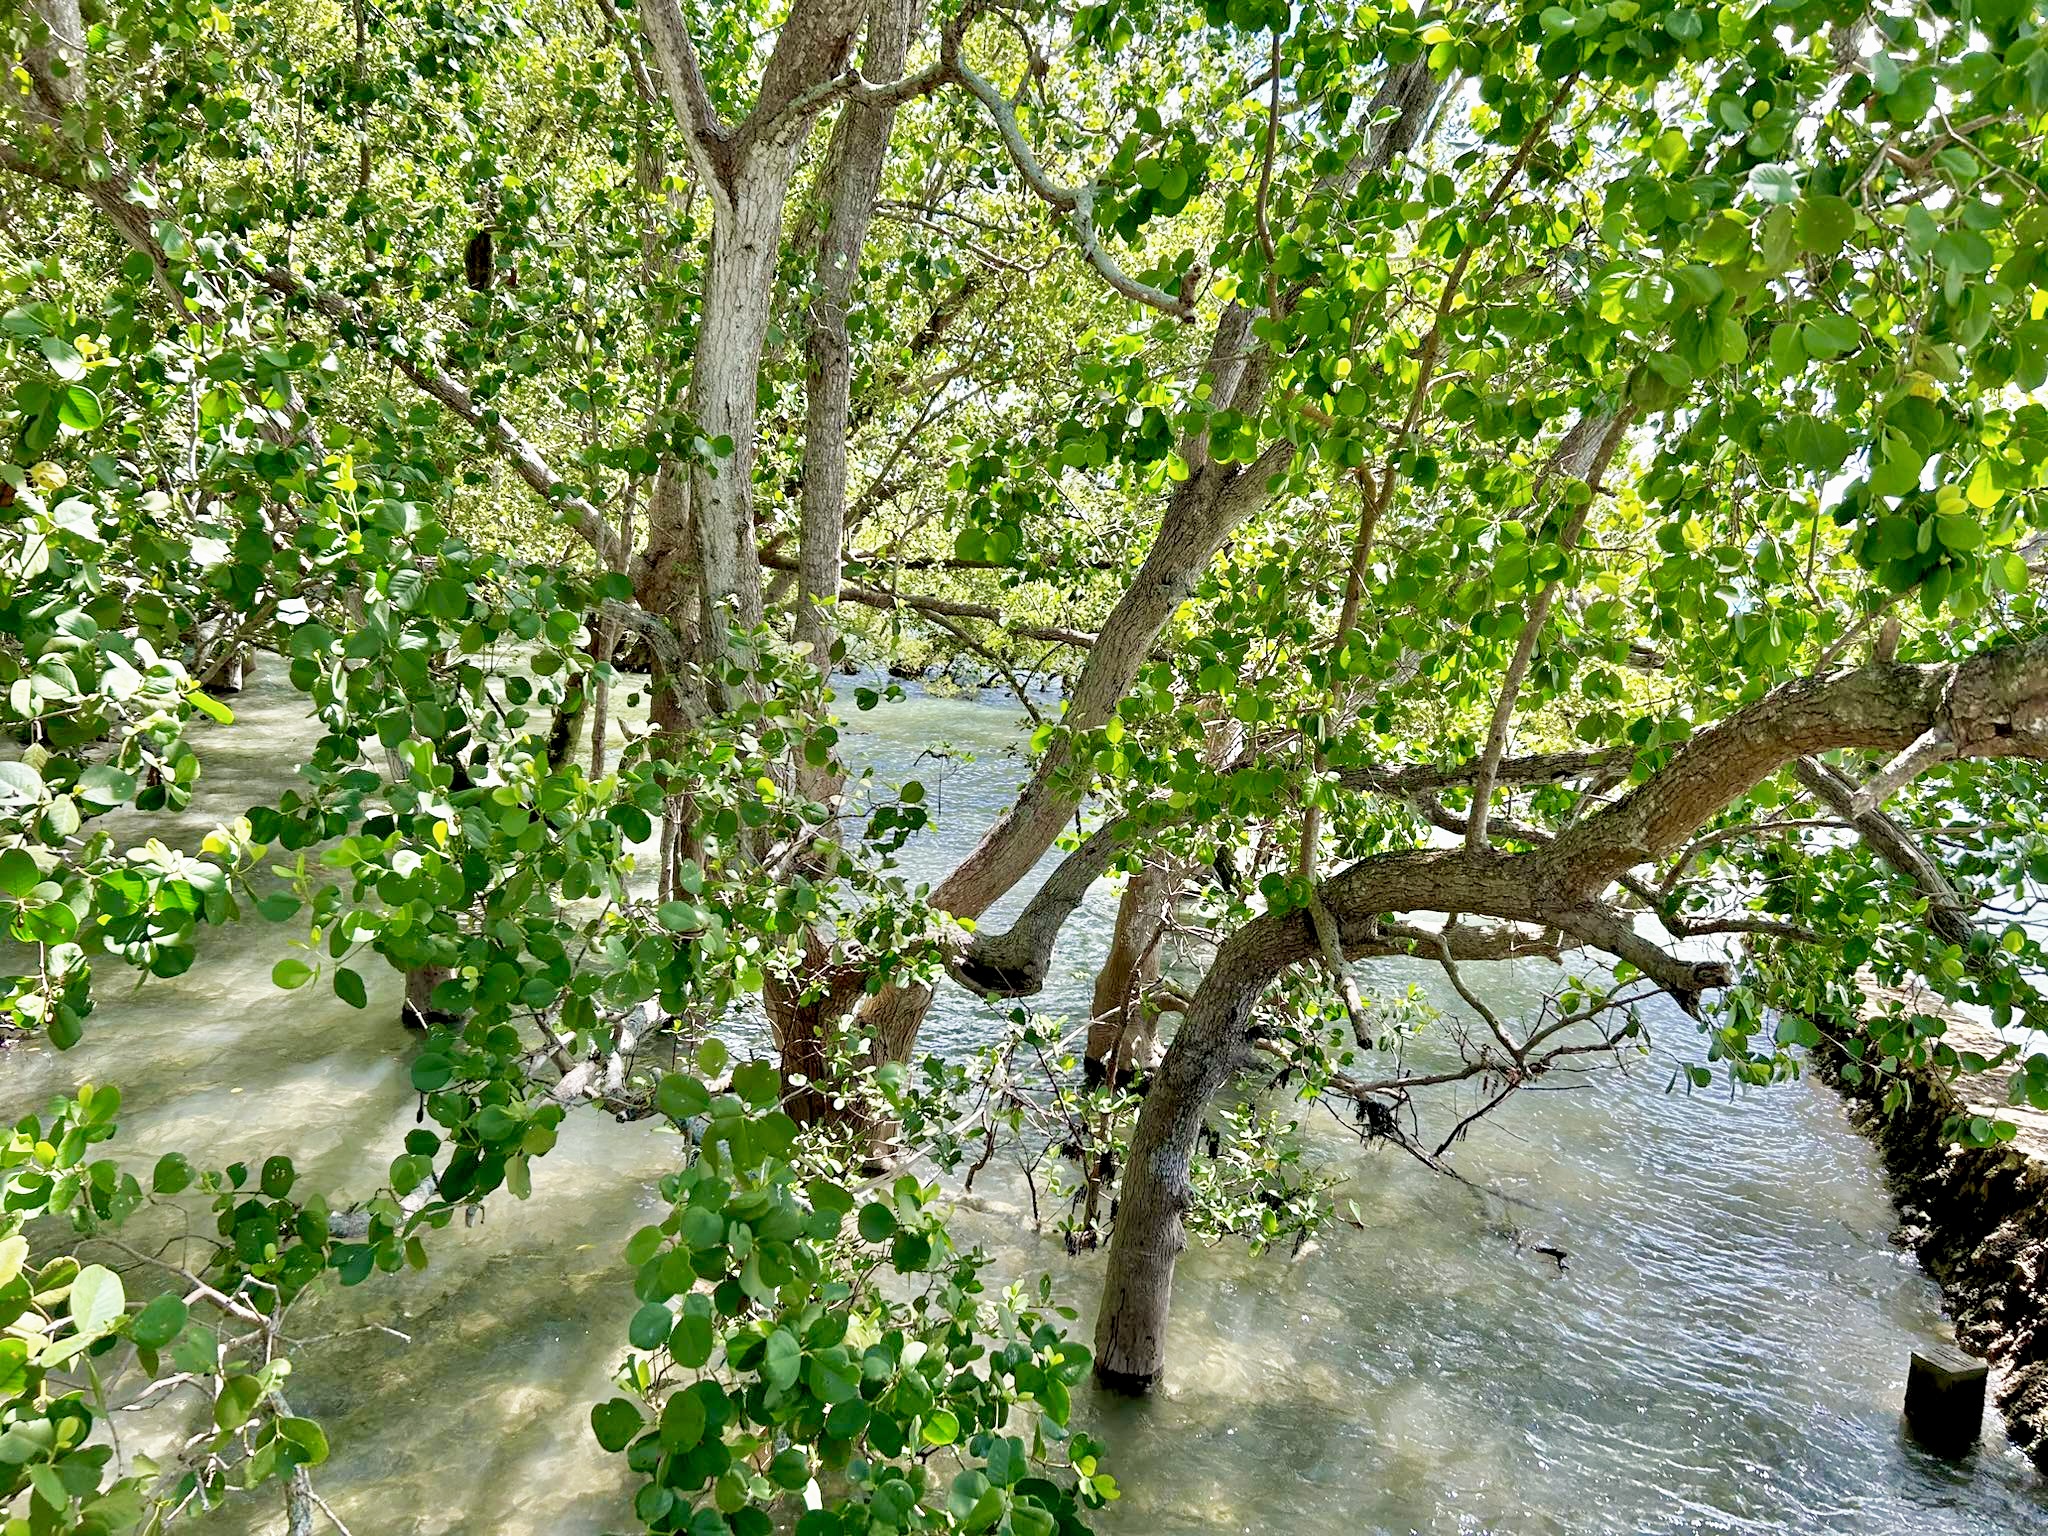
<point x="1122" y="1020"/>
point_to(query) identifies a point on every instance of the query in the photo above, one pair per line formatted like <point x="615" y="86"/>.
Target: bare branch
<point x="1077" y="202"/>
<point x="875" y="597"/>
<point x="1584" y="455"/>
<point x="1936" y="746"/>
<point x="1474" y="1001"/>
<point x="641" y="81"/>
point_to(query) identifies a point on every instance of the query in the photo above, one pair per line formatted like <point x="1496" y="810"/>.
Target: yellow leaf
<point x="1983" y="490"/>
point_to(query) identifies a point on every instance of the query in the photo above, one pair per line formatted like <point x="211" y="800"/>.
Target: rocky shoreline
<point x="1977" y="1218"/>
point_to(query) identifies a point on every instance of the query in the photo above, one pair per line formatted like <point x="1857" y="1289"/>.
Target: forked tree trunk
<point x="746" y="169"/>
<point x="1121" y="1024"/>
<point x="1199" y="515"/>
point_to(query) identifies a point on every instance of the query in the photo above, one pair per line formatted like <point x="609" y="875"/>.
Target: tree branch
<point x="675" y="53"/>
<point x="1584" y="454"/>
<point x="497" y="431"/>
<point x="641" y="81"/>
<point x="875" y="597"/>
<point x="1077" y="202"/>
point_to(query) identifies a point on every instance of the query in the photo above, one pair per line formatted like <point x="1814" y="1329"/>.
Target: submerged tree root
<point x="1977" y="1218"/>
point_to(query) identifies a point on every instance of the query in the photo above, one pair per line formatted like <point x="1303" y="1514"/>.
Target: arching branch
<point x="1077" y="203"/>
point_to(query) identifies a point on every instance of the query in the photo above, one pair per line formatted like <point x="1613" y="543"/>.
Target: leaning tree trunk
<point x="1203" y="510"/>
<point x="1137" y="1290"/>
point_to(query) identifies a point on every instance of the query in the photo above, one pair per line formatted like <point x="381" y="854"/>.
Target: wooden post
<point x="1945" y="1399"/>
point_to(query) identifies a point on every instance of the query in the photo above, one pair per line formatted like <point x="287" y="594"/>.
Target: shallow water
<point x="1724" y="1353"/>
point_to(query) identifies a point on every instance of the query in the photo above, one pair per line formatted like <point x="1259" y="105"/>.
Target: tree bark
<point x="747" y="170"/>
<point x="739" y="283"/>
<point x="1137" y="1290"/>
<point x="1993" y="704"/>
<point x="1120" y="1025"/>
<point x="1199" y="516"/>
<point x="849" y="186"/>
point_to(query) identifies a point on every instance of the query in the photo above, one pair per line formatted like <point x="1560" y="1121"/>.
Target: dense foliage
<point x="1550" y="467"/>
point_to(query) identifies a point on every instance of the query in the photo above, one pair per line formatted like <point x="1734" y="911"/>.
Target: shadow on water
<point x="1724" y="1353"/>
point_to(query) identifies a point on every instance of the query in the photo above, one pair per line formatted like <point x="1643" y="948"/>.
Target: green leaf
<point x="63" y="357"/>
<point x="911" y="1252"/>
<point x="19" y="785"/>
<point x="893" y="1500"/>
<point x="692" y="1340"/>
<point x="173" y="1173"/>
<point x="277" y="1177"/>
<point x="348" y="986"/>
<point x="831" y="1382"/>
<point x="682" y="1422"/>
<point x="782" y="1359"/>
<point x="49" y="1486"/>
<point x="159" y="1322"/>
<point x="1964" y="251"/>
<point x="105" y="786"/>
<point x="680" y="917"/>
<point x="432" y="1072"/>
<point x="615" y="1423"/>
<point x="681" y="1097"/>
<point x="1830" y="336"/>
<point x="877" y="1221"/>
<point x="1825" y="224"/>
<point x="306" y="1437"/>
<point x="650" y="1326"/>
<point x="1957" y="532"/>
<point x="941" y="1427"/>
<point x="210" y="707"/>
<point x="19" y="873"/>
<point x="238" y="1398"/>
<point x="291" y="973"/>
<point x="79" y="408"/>
<point x="758" y="1082"/>
<point x="1774" y="183"/>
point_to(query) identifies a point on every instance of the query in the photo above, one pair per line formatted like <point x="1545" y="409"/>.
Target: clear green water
<point x="1724" y="1354"/>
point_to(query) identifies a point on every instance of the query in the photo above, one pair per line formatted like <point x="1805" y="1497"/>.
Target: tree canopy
<point x="1480" y="480"/>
